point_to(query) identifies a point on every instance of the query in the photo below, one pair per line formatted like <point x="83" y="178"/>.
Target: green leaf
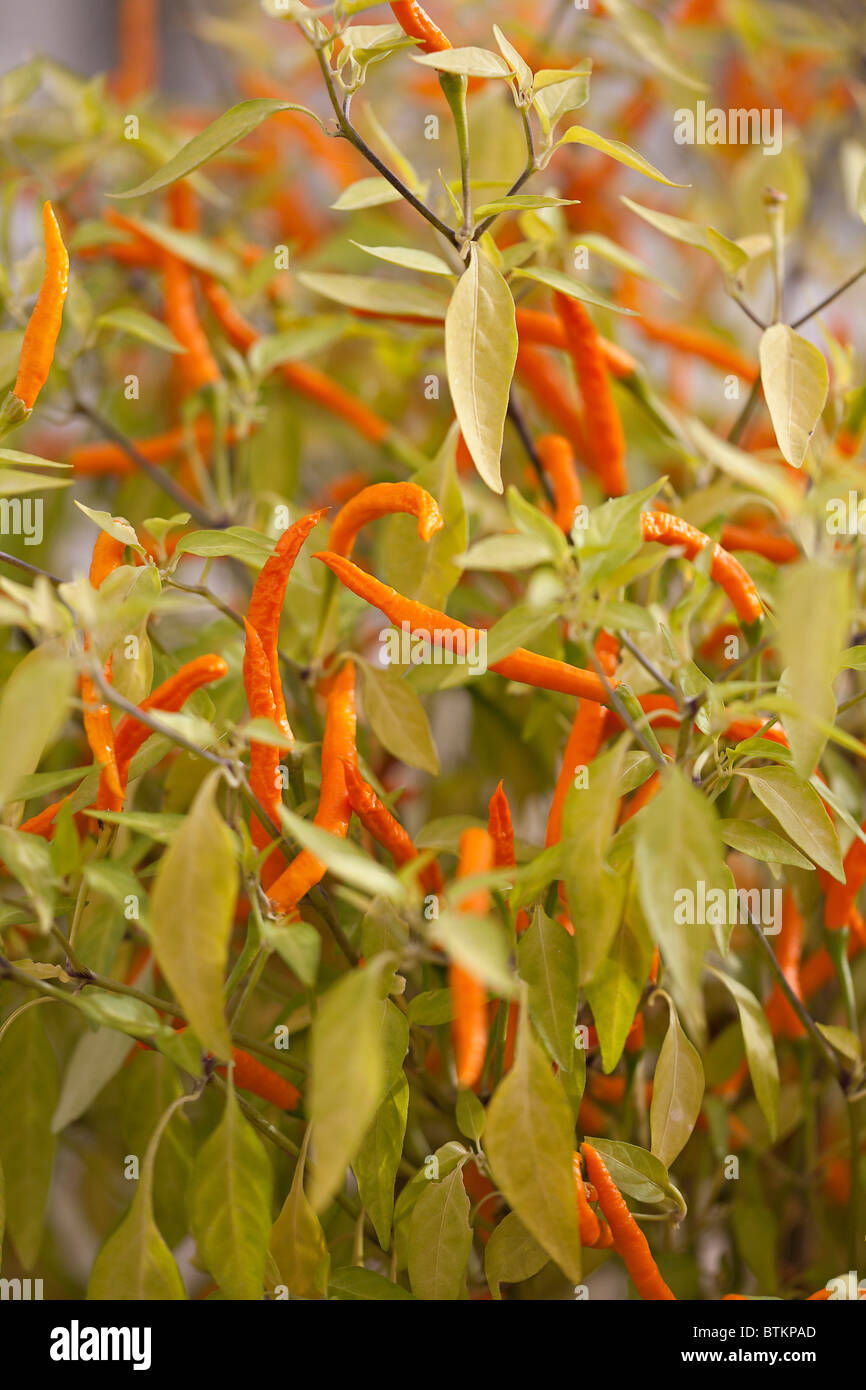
<point x="440" y="1240"/>
<point x="343" y="858"/>
<point x="226" y="130"/>
<point x="272" y="349"/>
<point x="299" y="946"/>
<point x="566" y="284"/>
<point x="140" y="325"/>
<point x="428" y="573"/>
<point x="192" y="911"/>
<point x="512" y="1255"/>
<point x="478" y="944"/>
<point x="615" y="988"/>
<point x="28" y="859"/>
<point x="843" y="1040"/>
<point x="135" y="1264"/>
<point x="17" y="459"/>
<point x="556" y="92"/>
<point x="760" y="1051"/>
<point x="677" y="846"/>
<point x="613" y="534"/>
<point x="515" y="61"/>
<point x="615" y="149"/>
<point x="230" y="1204"/>
<point x="366" y="193"/>
<point x="29" y="1088"/>
<point x="237" y="541"/>
<point x="195" y="250"/>
<point x="727" y="254"/>
<point x="507" y="552"/>
<point x="95" y="1059"/>
<point x="378" y="1159"/>
<point x="647" y="37"/>
<point x="468" y="62"/>
<point x="480" y="353"/>
<point x="379" y="296"/>
<point x="529" y="1141"/>
<point x="760" y="843"/>
<point x="33" y="706"/>
<point x="595" y="893"/>
<point x="410" y="257"/>
<point x="347" y="1074"/>
<point x="546" y="961"/>
<point x="678" y="1090"/>
<point x="431" y="1008"/>
<point x="813" y="614"/>
<point x="796" y="381"/>
<point x="398" y="719"/>
<point x="361" y="1285"/>
<point x="638" y="1174"/>
<point x="800" y="812"/>
<point x="299" y="1256"/>
<point x="470" y="1115"/>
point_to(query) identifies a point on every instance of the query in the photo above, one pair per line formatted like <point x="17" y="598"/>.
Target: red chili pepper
<point x="469" y="1026"/>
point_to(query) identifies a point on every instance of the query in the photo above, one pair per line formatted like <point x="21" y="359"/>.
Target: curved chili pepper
<point x="43" y="327"/>
<point x="628" y="1238"/>
<point x="469" y="997"/>
<point x="385" y="829"/>
<point x="334" y="810"/>
<point x="171" y="695"/>
<point x="266" y="603"/>
<point x="666" y="529"/>
<point x="604" y="433"/>
<point x="781" y="550"/>
<point x="416" y="22"/>
<point x="557" y="459"/>
<point x="694" y="343"/>
<point x="383" y="499"/>
<point x="264" y="757"/>
<point x="589" y="1225"/>
<point x="523" y="666"/>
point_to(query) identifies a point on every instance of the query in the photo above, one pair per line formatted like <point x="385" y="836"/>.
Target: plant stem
<point x="454" y="88"/>
<point x="819" y="1042"/>
<point x="348" y="131"/>
<point x="822" y="304"/>
<point x="7" y="559"/>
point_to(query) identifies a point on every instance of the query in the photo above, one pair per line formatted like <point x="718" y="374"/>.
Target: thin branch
<point x="17" y="564"/>
<point x="158" y="476"/>
<point x="616" y="702"/>
<point x="530" y="169"/>
<point x="650" y="667"/>
<point x="846" y="285"/>
<point x="518" y="420"/>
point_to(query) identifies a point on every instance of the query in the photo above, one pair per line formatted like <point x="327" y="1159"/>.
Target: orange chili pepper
<point x="521" y="665"/>
<point x="552" y="393"/>
<point x="172" y="694"/>
<point x="334" y="810"/>
<point x="43" y="326"/>
<point x="545" y="330"/>
<point x="697" y="344"/>
<point x="105" y="457"/>
<point x="501" y="832"/>
<point x="416" y="22"/>
<point x="383" y="499"/>
<point x="789" y="948"/>
<point x="557" y="460"/>
<point x="198" y="366"/>
<point x="469" y="1026"/>
<point x="100" y="736"/>
<point x="266" y="603"/>
<point x="840" y="897"/>
<point x="780" y="549"/>
<point x="590" y="1229"/>
<point x="628" y="1238"/>
<point x="138" y="48"/>
<point x="264" y="757"/>
<point x="385" y="829"/>
<point x="664" y="528"/>
<point x="604" y="432"/>
<point x="584" y="740"/>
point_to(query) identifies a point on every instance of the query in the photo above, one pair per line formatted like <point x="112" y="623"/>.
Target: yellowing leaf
<point x="512" y="1255"/>
<point x="529" y="1140"/>
<point x="298" y="1248"/>
<point x="230" y="1206"/>
<point x="440" y="1239"/>
<point x="480" y="353"/>
<point x="678" y="1089"/>
<point x="796" y="380"/>
<point x="192" y="911"/>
